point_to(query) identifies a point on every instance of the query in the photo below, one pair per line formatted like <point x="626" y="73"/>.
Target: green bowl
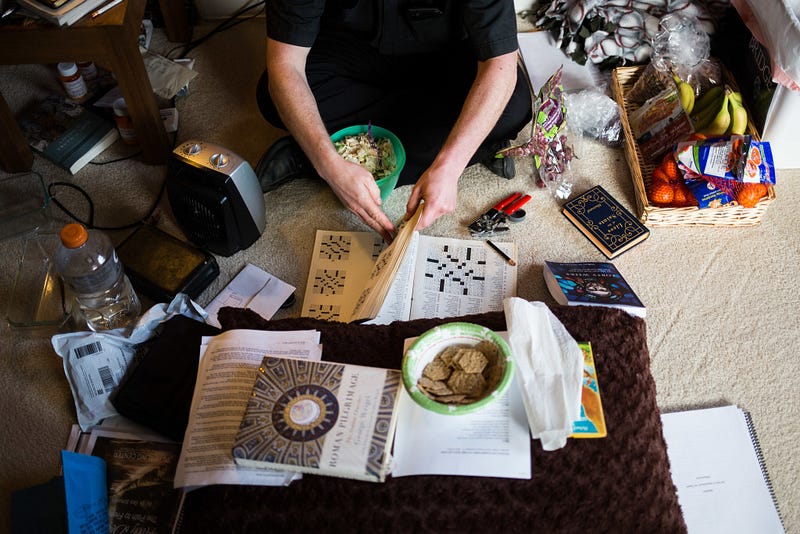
<point x="425" y="348"/>
<point x="387" y="183"/>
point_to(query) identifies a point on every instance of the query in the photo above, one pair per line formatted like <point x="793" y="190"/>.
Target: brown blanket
<point x="620" y="483"/>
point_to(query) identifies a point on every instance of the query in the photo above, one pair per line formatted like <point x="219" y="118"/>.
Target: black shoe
<point x="282" y="162"/>
<point x="502" y="167"/>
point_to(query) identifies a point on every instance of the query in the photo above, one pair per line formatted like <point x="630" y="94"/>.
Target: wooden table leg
<point x="176" y="20"/>
<point x="15" y="154"/>
<point x="126" y="63"/>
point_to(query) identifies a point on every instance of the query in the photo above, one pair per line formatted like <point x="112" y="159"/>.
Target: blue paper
<point x="86" y="493"/>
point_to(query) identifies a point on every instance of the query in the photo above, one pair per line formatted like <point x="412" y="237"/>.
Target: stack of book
<point x="60" y="12"/>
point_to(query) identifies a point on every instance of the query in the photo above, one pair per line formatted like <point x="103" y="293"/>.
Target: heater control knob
<point x="219" y="160"/>
<point x="192" y="148"/>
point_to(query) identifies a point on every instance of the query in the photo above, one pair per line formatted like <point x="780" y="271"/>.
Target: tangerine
<point x="670" y="167"/>
<point x="660" y="193"/>
<point x="749" y="194"/>
<point x="659" y="175"/>
<point x="683" y="197"/>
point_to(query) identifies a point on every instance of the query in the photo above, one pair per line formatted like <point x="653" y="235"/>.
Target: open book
<point x="354" y="278"/>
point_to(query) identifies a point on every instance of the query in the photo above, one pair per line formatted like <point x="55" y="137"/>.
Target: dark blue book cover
<point x="593" y="284"/>
<point x="605" y="222"/>
<point x="65" y="132"/>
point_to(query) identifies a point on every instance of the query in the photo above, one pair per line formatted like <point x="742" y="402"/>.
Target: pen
<point x="503" y="254"/>
<point x="106" y="8"/>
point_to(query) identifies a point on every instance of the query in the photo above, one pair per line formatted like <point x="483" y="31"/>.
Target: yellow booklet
<point x="592" y="422"/>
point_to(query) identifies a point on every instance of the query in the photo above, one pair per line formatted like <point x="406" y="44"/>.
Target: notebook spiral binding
<point x="760" y="455"/>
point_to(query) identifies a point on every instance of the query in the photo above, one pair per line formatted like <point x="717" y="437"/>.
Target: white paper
<point x="254" y="289"/>
<point x="455" y="277"/>
<point x="491" y="442"/>
<point x="715" y="468"/>
<point x="166" y="76"/>
<point x="225" y="378"/>
<point x="542" y="59"/>
<point x="438" y="277"/>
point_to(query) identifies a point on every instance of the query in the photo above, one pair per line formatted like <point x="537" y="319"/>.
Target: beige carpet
<point x="722" y="302"/>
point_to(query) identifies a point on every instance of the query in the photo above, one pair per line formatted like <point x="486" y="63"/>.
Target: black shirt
<point x="399" y="26"/>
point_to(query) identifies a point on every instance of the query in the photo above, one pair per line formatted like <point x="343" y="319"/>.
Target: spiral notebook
<point x="719" y="472"/>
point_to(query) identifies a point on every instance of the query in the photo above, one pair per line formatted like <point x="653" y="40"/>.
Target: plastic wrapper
<point x="729" y="169"/>
<point x="680" y="49"/>
<point x="549" y="144"/>
<point x="595" y="115"/>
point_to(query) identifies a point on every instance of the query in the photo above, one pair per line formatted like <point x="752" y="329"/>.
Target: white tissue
<point x="549" y="370"/>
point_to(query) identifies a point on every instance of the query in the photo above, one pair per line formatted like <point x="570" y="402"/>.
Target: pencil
<point x="503" y="254"/>
<point x="105" y="8"/>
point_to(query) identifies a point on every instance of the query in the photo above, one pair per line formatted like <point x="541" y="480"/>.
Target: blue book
<point x="605" y="222"/>
<point x="67" y="133"/>
<point x="591" y="284"/>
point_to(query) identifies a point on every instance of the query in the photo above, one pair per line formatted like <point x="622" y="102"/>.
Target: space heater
<point x="216" y="197"/>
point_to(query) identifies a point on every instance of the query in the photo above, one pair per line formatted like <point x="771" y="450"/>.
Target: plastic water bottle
<point x="89" y="266"/>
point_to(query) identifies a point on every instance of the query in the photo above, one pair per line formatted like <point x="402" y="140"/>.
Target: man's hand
<point x="439" y="189"/>
<point x="356" y="188"/>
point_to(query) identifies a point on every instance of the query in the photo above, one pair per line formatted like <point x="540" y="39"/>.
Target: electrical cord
<point x="230" y="22"/>
<point x="90" y="222"/>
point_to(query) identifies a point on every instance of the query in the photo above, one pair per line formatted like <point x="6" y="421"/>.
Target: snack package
<point x="549" y="143"/>
<point x="735" y="157"/>
<point x="660" y="123"/>
<point x="719" y="170"/>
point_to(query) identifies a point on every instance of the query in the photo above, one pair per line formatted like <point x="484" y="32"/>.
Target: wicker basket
<point x="730" y="215"/>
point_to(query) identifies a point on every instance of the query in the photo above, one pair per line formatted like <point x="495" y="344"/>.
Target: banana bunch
<point x="719" y="111"/>
<point x="686" y="94"/>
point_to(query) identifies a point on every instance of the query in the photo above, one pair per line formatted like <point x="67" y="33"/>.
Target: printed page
<point x="397" y="305"/>
<point x="225" y="378"/>
<point x="456" y="277"/>
<point x="340" y="265"/>
<point x="379" y="282"/>
<point x="492" y="442"/>
<point x="253" y="288"/>
<point x="716" y="470"/>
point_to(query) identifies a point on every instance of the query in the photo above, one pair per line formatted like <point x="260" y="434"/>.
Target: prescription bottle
<point x="73" y="82"/>
<point x="124" y="122"/>
<point x="87" y="69"/>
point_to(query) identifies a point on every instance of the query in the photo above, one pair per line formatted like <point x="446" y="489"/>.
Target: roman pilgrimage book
<point x="318" y="417"/>
<point x="605" y="222"/>
<point x="353" y="277"/>
<point x="66" y="133"/>
<point x="591" y="284"/>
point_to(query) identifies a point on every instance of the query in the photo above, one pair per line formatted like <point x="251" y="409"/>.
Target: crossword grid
<point x="460" y="271"/>
<point x="335" y="247"/>
<point x="327" y="312"/>
<point x="328" y="282"/>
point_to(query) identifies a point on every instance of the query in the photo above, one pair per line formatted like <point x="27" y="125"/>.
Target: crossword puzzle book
<point x="435" y="277"/>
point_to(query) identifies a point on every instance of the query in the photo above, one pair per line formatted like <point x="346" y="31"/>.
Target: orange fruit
<point x="670" y="167"/>
<point x="683" y="197"/>
<point x="659" y="175"/>
<point x="660" y="193"/>
<point x="748" y="195"/>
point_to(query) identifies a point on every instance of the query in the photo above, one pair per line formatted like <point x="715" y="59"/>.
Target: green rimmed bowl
<point x="388" y="182"/>
<point x="425" y="348"/>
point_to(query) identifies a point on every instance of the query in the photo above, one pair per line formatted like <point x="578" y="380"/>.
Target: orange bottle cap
<point x="74" y="235"/>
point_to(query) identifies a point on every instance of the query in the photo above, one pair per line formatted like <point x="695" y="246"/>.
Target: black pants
<point x="417" y="97"/>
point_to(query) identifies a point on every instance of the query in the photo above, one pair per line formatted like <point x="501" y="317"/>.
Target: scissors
<point x="490" y="222"/>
